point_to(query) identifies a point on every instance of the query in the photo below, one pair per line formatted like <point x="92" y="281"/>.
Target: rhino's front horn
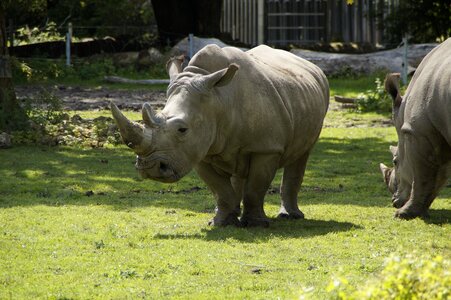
<point x="131" y="132"/>
<point x="386" y="173"/>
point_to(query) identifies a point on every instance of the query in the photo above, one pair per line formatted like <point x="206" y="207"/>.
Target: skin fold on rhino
<point x="422" y="118"/>
<point x="236" y="118"/>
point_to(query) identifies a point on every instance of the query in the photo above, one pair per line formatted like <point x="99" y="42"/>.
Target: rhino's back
<point x="276" y="101"/>
<point x="286" y="69"/>
<point x="428" y="98"/>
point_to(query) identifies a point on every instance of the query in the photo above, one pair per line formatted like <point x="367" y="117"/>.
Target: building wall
<point x="300" y="22"/>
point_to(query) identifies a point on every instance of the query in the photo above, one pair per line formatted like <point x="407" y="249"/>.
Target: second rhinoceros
<point x="235" y="117"/>
<point x="422" y="119"/>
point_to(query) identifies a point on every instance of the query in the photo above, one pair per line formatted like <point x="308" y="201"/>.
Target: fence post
<point x="260" y="22"/>
<point x="68" y="43"/>
<point x="190" y="41"/>
<point x="405" y="63"/>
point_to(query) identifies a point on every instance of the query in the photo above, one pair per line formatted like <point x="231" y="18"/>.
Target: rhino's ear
<point x="216" y="79"/>
<point x="393" y="150"/>
<point x="392" y="87"/>
<point x="227" y="77"/>
<point x="174" y="66"/>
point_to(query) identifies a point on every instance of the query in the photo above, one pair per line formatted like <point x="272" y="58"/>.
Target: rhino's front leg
<point x="228" y="202"/>
<point x="417" y="205"/>
<point x="262" y="169"/>
<point x="425" y="177"/>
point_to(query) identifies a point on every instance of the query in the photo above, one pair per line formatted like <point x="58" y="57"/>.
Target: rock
<point x="182" y="47"/>
<point x="5" y="141"/>
<point x="345" y="64"/>
<point x="76" y="119"/>
<point x="125" y="59"/>
<point x="142" y="59"/>
<point x="335" y="63"/>
<point x="148" y="57"/>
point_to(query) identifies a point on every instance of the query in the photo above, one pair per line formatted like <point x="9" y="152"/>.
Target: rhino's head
<point x="399" y="178"/>
<point x="172" y="142"/>
<point x="389" y="174"/>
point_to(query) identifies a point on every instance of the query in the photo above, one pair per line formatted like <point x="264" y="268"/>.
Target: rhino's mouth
<point x="157" y="168"/>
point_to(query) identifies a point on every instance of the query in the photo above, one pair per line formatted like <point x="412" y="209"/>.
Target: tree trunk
<point x="12" y="116"/>
<point x="176" y="19"/>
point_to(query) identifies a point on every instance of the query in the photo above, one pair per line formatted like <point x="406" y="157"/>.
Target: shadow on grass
<point x="438" y="217"/>
<point x="340" y="171"/>
<point x="278" y="229"/>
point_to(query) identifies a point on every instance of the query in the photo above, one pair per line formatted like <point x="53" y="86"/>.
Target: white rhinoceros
<point x="422" y="119"/>
<point x="235" y="117"/>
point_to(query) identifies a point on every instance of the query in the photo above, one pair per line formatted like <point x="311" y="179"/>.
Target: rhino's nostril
<point x="163" y="167"/>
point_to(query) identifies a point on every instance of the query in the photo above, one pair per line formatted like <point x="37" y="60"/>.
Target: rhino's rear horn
<point x="131" y="132"/>
<point x="149" y="116"/>
<point x="174" y="66"/>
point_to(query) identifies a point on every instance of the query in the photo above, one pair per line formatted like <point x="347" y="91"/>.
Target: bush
<point x="374" y="100"/>
<point x="38" y="70"/>
<point x="409" y="277"/>
<point x="50" y="125"/>
<point x="26" y="35"/>
<point x="83" y="69"/>
<point x="45" y="108"/>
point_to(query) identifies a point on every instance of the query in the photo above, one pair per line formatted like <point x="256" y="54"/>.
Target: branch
<point x="117" y="79"/>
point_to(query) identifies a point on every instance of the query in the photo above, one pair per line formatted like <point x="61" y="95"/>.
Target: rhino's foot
<point x="398" y="203"/>
<point x="247" y="221"/>
<point x="292" y="215"/>
<point x="230" y="219"/>
<point x="409" y="213"/>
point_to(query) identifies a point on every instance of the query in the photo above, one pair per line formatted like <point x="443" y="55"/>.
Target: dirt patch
<point x="79" y="98"/>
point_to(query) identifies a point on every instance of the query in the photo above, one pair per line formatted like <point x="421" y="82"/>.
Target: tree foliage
<point x="95" y="16"/>
<point x="423" y="20"/>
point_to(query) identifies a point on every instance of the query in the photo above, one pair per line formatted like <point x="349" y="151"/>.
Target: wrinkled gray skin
<point x="235" y="117"/>
<point x="422" y="159"/>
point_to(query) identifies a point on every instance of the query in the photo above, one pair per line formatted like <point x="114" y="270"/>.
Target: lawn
<point x="80" y="224"/>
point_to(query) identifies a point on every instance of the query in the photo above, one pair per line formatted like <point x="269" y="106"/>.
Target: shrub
<point x="374" y="100"/>
<point x="26" y="35"/>
<point x="409" y="277"/>
<point x="95" y="68"/>
<point x="50" y="125"/>
<point x="45" y="108"/>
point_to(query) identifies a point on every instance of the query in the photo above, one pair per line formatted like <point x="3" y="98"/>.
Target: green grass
<point x="84" y="72"/>
<point x="80" y="224"/>
<point x="351" y="87"/>
<point x="89" y="72"/>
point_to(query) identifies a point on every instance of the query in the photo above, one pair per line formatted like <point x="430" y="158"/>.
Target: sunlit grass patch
<point x="80" y="223"/>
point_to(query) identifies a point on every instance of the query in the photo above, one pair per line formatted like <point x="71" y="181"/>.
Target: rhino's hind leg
<point x="262" y="170"/>
<point x="293" y="176"/>
<point x="228" y="202"/>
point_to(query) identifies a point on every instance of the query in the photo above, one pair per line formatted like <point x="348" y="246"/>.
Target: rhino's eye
<point x="182" y="130"/>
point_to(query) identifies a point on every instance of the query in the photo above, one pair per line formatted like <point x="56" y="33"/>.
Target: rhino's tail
<point x="392" y="87"/>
